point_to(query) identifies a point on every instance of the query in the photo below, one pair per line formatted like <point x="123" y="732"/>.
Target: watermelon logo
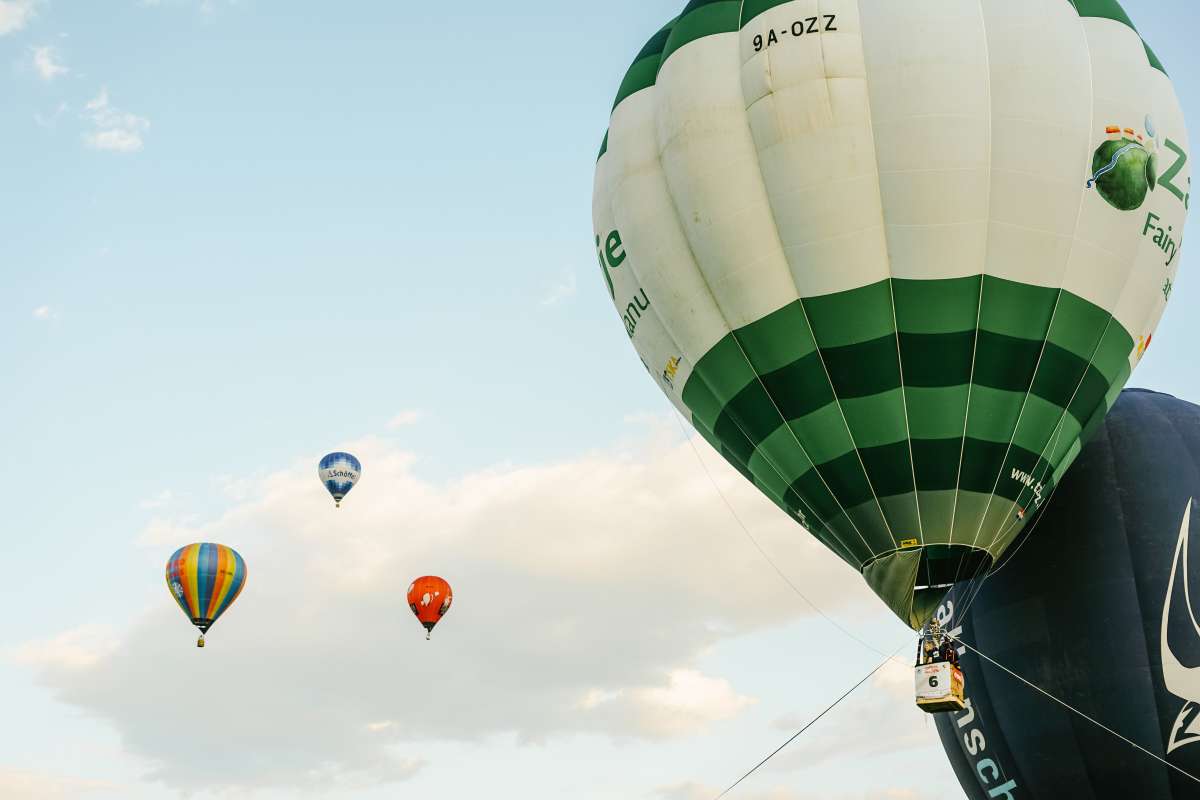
<point x="1125" y="167"/>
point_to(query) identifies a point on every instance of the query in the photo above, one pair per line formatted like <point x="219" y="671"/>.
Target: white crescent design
<point x="1181" y="681"/>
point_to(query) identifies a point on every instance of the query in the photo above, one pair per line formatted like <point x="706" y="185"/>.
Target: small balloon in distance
<point x="430" y="597"/>
<point x="339" y="472"/>
<point x="205" y="579"/>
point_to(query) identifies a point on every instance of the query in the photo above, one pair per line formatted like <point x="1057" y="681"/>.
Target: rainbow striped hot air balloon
<point x="205" y="579"/>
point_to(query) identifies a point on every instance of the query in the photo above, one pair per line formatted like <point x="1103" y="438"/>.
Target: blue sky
<point x="234" y="236"/>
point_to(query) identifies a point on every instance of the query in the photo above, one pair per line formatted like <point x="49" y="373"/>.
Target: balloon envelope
<point x="1095" y="609"/>
<point x="430" y="597"/>
<point x="339" y="472"/>
<point x="893" y="260"/>
<point x="205" y="579"/>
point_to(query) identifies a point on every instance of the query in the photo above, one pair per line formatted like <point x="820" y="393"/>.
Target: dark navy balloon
<point x="339" y="472"/>
<point x="1100" y="607"/>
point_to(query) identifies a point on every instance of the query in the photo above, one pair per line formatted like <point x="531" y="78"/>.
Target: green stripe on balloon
<point x="752" y="8"/>
<point x="1153" y="59"/>
<point x="932" y="475"/>
<point x="644" y="70"/>
<point x="702" y="18"/>
<point x="943" y="306"/>
<point x="1104" y="9"/>
<point x="853" y="316"/>
<point x="1008" y="359"/>
<point x="833" y="529"/>
<point x="1111" y="9"/>
<point x="867" y="370"/>
<point x="640" y="76"/>
<point x="1053" y="388"/>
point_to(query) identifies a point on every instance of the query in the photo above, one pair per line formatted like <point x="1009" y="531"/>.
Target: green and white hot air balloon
<point x="895" y="260"/>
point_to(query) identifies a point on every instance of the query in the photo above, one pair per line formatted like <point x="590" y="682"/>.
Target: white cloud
<point x="685" y="704"/>
<point x="688" y="703"/>
<point x="116" y="139"/>
<point x="73" y="650"/>
<point x="45" y="313"/>
<point x="562" y="289"/>
<point x="379" y="727"/>
<point x="113" y="129"/>
<point x="585" y="593"/>
<point x="18" y="784"/>
<point x="15" y="14"/>
<point x="404" y="419"/>
<point x="594" y="698"/>
<point x="45" y="63"/>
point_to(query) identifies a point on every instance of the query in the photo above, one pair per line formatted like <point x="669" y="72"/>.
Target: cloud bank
<point x="19" y="784"/>
<point x="15" y="14"/>
<point x="585" y="593"/>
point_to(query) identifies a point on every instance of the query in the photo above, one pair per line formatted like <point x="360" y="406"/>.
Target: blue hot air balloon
<point x="339" y="472"/>
<point x="1099" y="608"/>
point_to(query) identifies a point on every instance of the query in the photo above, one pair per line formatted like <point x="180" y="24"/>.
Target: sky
<point x="235" y="235"/>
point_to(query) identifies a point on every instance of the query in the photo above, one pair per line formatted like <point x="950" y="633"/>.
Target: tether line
<point x="810" y="723"/>
<point x="1076" y="711"/>
<point x="762" y="552"/>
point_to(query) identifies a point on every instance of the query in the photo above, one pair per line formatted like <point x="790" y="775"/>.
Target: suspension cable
<point x="812" y="722"/>
<point x="1074" y="710"/>
<point x="974" y="589"/>
<point x="783" y="576"/>
<point x="737" y="518"/>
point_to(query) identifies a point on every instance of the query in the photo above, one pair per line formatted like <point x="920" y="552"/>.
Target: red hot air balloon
<point x="429" y="598"/>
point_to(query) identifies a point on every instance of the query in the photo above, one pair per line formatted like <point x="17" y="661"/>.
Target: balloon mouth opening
<point x="943" y="565"/>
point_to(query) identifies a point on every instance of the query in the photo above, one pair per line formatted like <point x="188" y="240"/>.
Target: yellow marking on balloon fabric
<point x="191" y="569"/>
